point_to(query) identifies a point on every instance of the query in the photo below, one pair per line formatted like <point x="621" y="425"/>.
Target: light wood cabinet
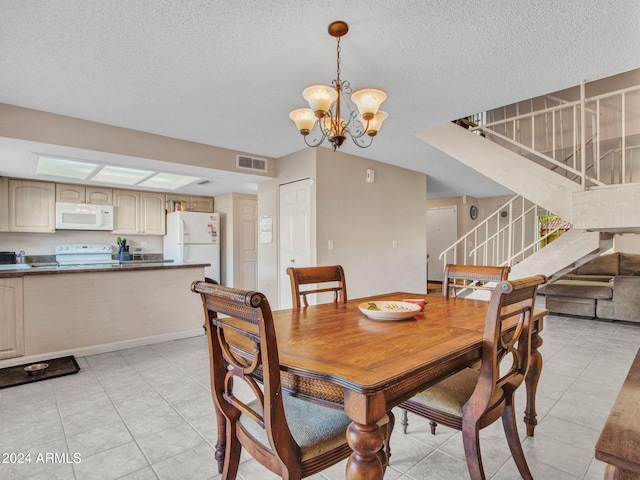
<point x="139" y="213"/>
<point x="152" y="213"/>
<point x="70" y="193"/>
<point x="83" y="194"/>
<point x="126" y="205"/>
<point x="99" y="195"/>
<point x="4" y="204"/>
<point x="201" y="204"/>
<point x="32" y="206"/>
<point x="190" y="203"/>
<point x="11" y="317"/>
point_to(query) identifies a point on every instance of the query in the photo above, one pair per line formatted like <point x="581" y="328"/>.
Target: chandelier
<point x="328" y="104"/>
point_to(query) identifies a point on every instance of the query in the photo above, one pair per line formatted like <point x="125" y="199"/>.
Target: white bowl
<point x="389" y="310"/>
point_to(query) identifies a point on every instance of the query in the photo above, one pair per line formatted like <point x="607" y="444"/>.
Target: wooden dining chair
<point x="471" y="400"/>
<point x="291" y="437"/>
<point x="458" y="276"/>
<point x="473" y="277"/>
<point x="317" y="275"/>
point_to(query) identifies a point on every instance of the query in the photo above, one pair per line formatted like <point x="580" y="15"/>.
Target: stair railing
<point x="569" y="137"/>
<point x="506" y="237"/>
<point x="614" y="158"/>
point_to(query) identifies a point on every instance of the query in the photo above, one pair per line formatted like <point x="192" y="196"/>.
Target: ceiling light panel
<point x="59" y="167"/>
<point x="168" y="181"/>
<point x="121" y="175"/>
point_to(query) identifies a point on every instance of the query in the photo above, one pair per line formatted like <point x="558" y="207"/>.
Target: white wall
<point x="362" y="219"/>
<point x="365" y="219"/>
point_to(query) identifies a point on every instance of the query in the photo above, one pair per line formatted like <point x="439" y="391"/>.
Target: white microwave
<point x="83" y="216"/>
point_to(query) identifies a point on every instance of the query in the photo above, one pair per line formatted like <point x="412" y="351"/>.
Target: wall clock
<point x="473" y="212"/>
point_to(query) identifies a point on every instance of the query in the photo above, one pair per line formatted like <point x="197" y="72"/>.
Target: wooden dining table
<point x="334" y="354"/>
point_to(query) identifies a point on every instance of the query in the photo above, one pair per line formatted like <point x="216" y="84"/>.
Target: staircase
<point x="564" y="160"/>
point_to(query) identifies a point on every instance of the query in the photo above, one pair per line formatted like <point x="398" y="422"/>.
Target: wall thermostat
<point x="473" y="212"/>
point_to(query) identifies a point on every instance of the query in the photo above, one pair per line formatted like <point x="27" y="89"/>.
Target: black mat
<point x="12" y="376"/>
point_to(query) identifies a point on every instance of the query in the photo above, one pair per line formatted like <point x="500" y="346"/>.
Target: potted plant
<point x="123" y="249"/>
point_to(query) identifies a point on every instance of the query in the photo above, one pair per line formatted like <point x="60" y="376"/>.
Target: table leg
<point x="365" y="441"/>
<point x="364" y="435"/>
<point x="531" y="384"/>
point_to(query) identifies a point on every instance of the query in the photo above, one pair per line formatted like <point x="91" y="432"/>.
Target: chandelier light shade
<point x="320" y="98"/>
<point x="331" y="109"/>
<point x="374" y="123"/>
<point x="304" y="119"/>
<point x="368" y="101"/>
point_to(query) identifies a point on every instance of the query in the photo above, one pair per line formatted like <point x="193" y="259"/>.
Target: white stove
<point x="84" y="254"/>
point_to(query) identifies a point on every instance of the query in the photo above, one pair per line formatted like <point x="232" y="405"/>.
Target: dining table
<point x="335" y="354"/>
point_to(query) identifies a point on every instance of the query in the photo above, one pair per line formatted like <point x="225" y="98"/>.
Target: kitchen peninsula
<point x="49" y="312"/>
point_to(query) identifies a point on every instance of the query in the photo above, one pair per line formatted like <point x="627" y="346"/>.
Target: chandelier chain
<point x="338" y="61"/>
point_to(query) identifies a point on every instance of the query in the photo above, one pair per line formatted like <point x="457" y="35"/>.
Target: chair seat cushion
<point x="452" y="393"/>
<point x="316" y="429"/>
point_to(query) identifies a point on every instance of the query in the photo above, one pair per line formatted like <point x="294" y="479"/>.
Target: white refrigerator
<point x="194" y="237"/>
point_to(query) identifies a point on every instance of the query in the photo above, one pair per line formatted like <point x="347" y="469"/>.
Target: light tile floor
<point x="146" y="413"/>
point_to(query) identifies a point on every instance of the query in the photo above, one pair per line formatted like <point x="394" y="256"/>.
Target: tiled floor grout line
<point x="180" y="368"/>
<point x="64" y="431"/>
<point x="583" y="372"/>
<point x="584" y="369"/>
<point x="509" y="459"/>
<point x="169" y="402"/>
<point x="126" y="425"/>
<point x="557" y="401"/>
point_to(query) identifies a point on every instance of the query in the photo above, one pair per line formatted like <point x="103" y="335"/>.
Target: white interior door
<point x="248" y="258"/>
<point x="442" y="232"/>
<point x="295" y="233"/>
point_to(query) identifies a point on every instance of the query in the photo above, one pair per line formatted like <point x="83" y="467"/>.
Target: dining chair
<point x="333" y="275"/>
<point x="317" y="275"/>
<point x="291" y="437"/>
<point x="471" y="400"/>
<point x="458" y="276"/>
<point x="473" y="277"/>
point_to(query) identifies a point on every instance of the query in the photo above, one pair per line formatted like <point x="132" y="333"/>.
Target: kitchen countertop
<point x="117" y="267"/>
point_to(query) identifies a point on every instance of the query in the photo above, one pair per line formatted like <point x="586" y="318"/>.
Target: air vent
<point x="204" y="182"/>
<point x="250" y="163"/>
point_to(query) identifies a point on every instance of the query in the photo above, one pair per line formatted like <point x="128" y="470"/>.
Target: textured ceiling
<point x="227" y="73"/>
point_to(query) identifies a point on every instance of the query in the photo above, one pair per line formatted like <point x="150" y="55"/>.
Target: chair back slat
<point x="474" y="277"/>
<point x="315" y="276"/>
<point x="511" y="305"/>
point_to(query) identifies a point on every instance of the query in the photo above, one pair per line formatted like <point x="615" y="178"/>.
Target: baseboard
<point x="103" y="348"/>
